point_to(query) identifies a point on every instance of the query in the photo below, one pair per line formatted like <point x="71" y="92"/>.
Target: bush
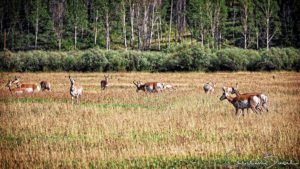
<point x="192" y="59"/>
<point x="184" y="58"/>
<point x="279" y="59"/>
<point x="136" y="61"/>
<point x="234" y="59"/>
<point x="93" y="61"/>
<point x="7" y="60"/>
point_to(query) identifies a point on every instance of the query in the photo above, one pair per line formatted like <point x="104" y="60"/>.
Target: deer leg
<point x="266" y="108"/>
<point x="253" y="109"/>
<point x="243" y="111"/>
<point x="72" y="98"/>
<point x="236" y="111"/>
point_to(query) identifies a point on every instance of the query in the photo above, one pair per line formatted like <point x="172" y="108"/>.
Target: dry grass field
<point x="120" y="128"/>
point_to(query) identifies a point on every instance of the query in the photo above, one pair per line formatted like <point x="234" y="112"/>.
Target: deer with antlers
<point x="75" y="90"/>
<point x="209" y="87"/>
<point x="104" y="83"/>
<point x="29" y="87"/>
<point x="230" y="89"/>
<point x="148" y="87"/>
<point x="16" y="90"/>
<point x="242" y="102"/>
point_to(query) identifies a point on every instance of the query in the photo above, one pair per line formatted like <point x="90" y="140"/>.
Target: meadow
<point x="122" y="128"/>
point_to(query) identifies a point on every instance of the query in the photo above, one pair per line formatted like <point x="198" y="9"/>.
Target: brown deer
<point x="45" y="85"/>
<point x="104" y="83"/>
<point x="26" y="86"/>
<point x="242" y="102"/>
<point x="16" y="90"/>
<point x="263" y="97"/>
<point x="75" y="90"/>
<point x="148" y="87"/>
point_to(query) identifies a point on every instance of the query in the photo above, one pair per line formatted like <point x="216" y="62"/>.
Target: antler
<point x="134" y="82"/>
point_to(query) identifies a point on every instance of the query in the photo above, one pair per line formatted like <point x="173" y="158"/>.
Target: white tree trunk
<point x="145" y="26"/>
<point x="202" y="34"/>
<point x="159" y="33"/>
<point x="170" y="24"/>
<point x="152" y="25"/>
<point x="267" y="31"/>
<point x="96" y="29"/>
<point x="75" y="37"/>
<point x="36" y="27"/>
<point x="132" y="24"/>
<point x="59" y="43"/>
<point x="257" y="39"/>
<point x="107" y="31"/>
<point x="124" y="26"/>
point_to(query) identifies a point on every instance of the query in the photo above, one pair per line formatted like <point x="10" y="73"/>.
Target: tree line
<point x="148" y="24"/>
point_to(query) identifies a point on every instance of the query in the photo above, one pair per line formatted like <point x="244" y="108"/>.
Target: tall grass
<point x="120" y="128"/>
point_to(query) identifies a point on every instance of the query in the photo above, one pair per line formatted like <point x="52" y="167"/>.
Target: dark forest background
<point x="149" y="35"/>
<point x="148" y="24"/>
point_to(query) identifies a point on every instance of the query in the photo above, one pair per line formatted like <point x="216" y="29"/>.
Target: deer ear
<point x="223" y="88"/>
<point x="237" y="85"/>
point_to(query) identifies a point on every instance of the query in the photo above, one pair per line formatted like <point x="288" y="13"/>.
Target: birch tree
<point x="270" y="22"/>
<point x="246" y="15"/>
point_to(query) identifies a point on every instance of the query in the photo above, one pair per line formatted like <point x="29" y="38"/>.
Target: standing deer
<point x="75" y="90"/>
<point x="28" y="87"/>
<point x="15" y="90"/>
<point x="242" y="102"/>
<point x="45" y="85"/>
<point x="263" y="97"/>
<point x="148" y="87"/>
<point x="209" y="87"/>
<point x="104" y="83"/>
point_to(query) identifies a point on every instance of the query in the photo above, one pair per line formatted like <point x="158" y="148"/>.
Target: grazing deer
<point x="229" y="89"/>
<point x="242" y="102"/>
<point x="148" y="87"/>
<point x="263" y="97"/>
<point x="45" y="85"/>
<point x="104" y="83"/>
<point x="209" y="87"/>
<point x="75" y="90"/>
<point x="15" y="90"/>
<point x="28" y="87"/>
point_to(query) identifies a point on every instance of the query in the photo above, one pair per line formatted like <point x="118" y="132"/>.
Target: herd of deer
<point x="255" y="101"/>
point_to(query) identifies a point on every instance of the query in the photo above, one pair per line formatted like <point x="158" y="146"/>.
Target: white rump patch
<point x="29" y="90"/>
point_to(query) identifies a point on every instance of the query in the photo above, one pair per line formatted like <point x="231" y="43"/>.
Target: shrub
<point x="192" y="59"/>
<point x="279" y="58"/>
<point x="184" y="58"/>
<point x="116" y="61"/>
<point x="93" y="61"/>
<point x="136" y="61"/>
<point x="7" y="60"/>
<point x="156" y="60"/>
